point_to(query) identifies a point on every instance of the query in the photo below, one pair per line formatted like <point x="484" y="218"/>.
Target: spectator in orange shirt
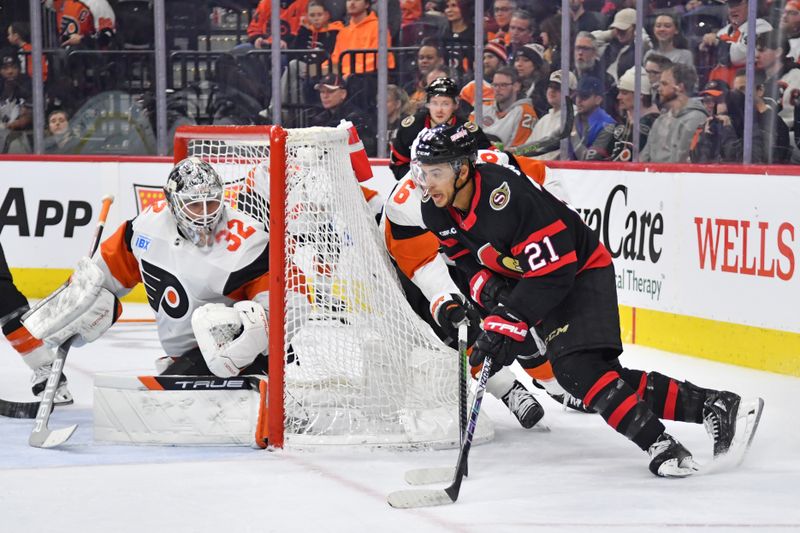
<point x="292" y="17"/>
<point x="494" y="57"/>
<point x="87" y="24"/>
<point x="19" y="35"/>
<point x="359" y="34"/>
<point x="503" y="9"/>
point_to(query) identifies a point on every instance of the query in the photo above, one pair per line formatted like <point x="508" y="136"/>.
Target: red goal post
<point x="362" y="368"/>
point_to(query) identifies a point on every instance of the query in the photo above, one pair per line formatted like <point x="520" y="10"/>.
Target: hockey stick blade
<point x="410" y="498"/>
<point x="427" y="476"/>
<point x="413" y="498"/>
<point x="11" y="409"/>
<point x="42" y="436"/>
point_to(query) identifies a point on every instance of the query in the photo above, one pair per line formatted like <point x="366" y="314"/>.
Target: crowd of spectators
<point x="692" y="104"/>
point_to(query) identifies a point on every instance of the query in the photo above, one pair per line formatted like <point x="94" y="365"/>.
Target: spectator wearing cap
<point x="494" y="56"/>
<point x="671" y="135"/>
<point x="545" y="140"/>
<point x="588" y="63"/>
<point x="442" y="108"/>
<point x="533" y="75"/>
<point x="521" y="29"/>
<point x="730" y="43"/>
<point x="511" y="119"/>
<point x="15" y="99"/>
<point x="669" y="42"/>
<point x="615" y="142"/>
<point x="782" y="84"/>
<point x="721" y="138"/>
<point x="584" y="20"/>
<point x="502" y="11"/>
<point x="714" y="97"/>
<point x="19" y="36"/>
<point x="336" y="107"/>
<point x="616" y="43"/>
<point x="790" y="28"/>
<point x="590" y="117"/>
<point x="360" y="33"/>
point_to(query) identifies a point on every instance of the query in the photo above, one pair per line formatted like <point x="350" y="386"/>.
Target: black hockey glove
<point x="450" y="310"/>
<point x="488" y="290"/>
<point x="504" y="337"/>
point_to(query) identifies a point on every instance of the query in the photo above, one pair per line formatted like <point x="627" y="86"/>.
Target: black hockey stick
<point x="550" y="143"/>
<point x="441" y="474"/>
<point x="11" y="409"/>
<point x="42" y="436"/>
<point x="411" y="498"/>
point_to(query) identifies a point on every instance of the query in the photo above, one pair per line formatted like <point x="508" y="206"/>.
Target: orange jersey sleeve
<point x="116" y="252"/>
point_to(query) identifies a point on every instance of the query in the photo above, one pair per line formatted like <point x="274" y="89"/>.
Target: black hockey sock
<point x="597" y="382"/>
<point x="669" y="398"/>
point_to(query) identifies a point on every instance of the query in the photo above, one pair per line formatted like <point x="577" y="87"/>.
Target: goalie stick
<point x="412" y="498"/>
<point x="42" y="436"/>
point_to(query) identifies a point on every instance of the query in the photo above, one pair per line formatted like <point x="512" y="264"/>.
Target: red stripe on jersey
<point x="600" y="258"/>
<point x="571" y="257"/>
<point x="672" y="399"/>
<point x="642" y="385"/>
<point x="458" y="254"/>
<point x="622" y="409"/>
<point x="599" y="385"/>
<point x="399" y="157"/>
<point x="537" y="236"/>
<point x="467" y="222"/>
<point x="448" y="242"/>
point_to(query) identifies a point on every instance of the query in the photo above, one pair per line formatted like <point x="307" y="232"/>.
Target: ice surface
<point x="579" y="477"/>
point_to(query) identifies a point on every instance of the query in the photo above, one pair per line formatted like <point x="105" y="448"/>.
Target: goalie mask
<point x="194" y="193"/>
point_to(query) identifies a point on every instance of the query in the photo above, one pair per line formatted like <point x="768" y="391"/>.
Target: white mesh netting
<point x="361" y="367"/>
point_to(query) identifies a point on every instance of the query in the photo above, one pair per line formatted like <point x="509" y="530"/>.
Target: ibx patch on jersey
<point x="499" y="197"/>
<point x="142" y="242"/>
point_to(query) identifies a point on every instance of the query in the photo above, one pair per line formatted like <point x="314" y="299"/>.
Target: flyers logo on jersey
<point x="499" y="197"/>
<point x="164" y="291"/>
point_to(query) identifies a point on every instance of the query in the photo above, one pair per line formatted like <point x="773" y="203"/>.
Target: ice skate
<point x="731" y="422"/>
<point x="668" y="458"/>
<point x="40" y="375"/>
<point x="523" y="405"/>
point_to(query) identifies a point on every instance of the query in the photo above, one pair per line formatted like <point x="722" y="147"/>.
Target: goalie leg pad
<point x="230" y="338"/>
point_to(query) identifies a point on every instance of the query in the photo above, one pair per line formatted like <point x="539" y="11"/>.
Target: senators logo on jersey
<point x="164" y="290"/>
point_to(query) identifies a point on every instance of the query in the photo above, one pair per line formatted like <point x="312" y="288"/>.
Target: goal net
<point x="350" y="362"/>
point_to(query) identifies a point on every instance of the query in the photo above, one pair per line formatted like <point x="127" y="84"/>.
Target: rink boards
<point x="705" y="257"/>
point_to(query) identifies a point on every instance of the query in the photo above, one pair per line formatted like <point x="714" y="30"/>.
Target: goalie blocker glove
<point x="449" y="310"/>
<point x="504" y="337"/>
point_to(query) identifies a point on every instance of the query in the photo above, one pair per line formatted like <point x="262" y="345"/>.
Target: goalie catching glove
<point x="449" y="310"/>
<point x="82" y="307"/>
<point x="504" y="337"/>
<point x="230" y="338"/>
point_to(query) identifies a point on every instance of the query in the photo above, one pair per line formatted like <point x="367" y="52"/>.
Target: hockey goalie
<point x="204" y="267"/>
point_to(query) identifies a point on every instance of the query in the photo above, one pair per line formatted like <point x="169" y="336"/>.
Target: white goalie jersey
<point x="180" y="277"/>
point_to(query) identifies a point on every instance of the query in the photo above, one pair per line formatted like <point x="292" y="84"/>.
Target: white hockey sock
<point x="499" y="384"/>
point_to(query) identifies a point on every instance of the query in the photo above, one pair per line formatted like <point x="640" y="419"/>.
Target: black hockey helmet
<point x="445" y="143"/>
<point x="442" y="87"/>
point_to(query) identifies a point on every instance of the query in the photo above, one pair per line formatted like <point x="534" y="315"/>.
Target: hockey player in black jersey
<point x="564" y="296"/>
<point x="441" y="108"/>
